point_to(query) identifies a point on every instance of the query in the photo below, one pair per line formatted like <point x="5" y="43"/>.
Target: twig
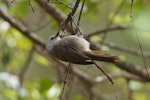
<point x="79" y="18"/>
<point x="65" y="82"/>
<point x="103" y="72"/>
<point x="115" y="28"/>
<point x="139" y="42"/>
<point x="142" y="53"/>
<point x="59" y="2"/>
<point x="70" y="14"/>
<point x="26" y="66"/>
<point x="29" y="3"/>
<point x="77" y="28"/>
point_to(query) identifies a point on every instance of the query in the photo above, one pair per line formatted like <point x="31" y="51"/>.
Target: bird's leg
<point x="77" y="27"/>
<point x="103" y="71"/>
<point x="65" y="82"/>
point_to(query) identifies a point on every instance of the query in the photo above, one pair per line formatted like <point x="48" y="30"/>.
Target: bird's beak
<point x="57" y="34"/>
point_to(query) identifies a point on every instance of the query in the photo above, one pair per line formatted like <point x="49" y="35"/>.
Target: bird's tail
<point x="101" y="56"/>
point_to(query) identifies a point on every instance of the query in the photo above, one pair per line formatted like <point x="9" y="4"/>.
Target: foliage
<point x="41" y="80"/>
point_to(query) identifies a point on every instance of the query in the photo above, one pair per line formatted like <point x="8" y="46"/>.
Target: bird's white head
<point x="52" y="41"/>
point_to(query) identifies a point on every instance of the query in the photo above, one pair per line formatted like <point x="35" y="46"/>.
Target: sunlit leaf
<point x="45" y="84"/>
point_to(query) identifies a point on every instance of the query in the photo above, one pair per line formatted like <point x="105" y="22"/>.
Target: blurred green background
<point x="40" y="81"/>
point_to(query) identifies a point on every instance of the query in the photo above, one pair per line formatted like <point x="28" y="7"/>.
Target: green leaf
<point x="45" y="84"/>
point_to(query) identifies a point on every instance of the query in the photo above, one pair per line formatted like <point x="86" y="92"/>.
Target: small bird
<point x="75" y="49"/>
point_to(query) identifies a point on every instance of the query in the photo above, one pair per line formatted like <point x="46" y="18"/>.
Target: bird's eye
<point x="52" y="38"/>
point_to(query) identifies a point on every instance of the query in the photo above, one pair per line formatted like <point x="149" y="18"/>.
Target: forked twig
<point x="103" y="71"/>
<point x="70" y="14"/>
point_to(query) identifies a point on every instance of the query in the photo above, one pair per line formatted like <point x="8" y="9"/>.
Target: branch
<point x="105" y="30"/>
<point x="20" y="27"/>
<point x="127" y="50"/>
<point x="133" y="69"/>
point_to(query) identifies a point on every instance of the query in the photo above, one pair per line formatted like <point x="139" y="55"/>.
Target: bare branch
<point x="127" y="50"/>
<point x="131" y="68"/>
<point x="105" y="30"/>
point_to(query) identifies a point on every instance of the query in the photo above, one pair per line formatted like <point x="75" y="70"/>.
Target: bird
<point x="75" y="49"/>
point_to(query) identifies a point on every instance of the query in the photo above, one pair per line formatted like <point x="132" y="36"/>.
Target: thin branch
<point x="115" y="28"/>
<point x="127" y="50"/>
<point x="103" y="72"/>
<point x="59" y="2"/>
<point x="26" y="66"/>
<point x="31" y="6"/>
<point x="70" y="15"/>
<point x="65" y="82"/>
<point x="80" y="13"/>
<point x="139" y="42"/>
<point x="142" y="53"/>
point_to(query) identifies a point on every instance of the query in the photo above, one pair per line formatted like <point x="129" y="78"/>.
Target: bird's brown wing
<point x="101" y="56"/>
<point x="68" y="53"/>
